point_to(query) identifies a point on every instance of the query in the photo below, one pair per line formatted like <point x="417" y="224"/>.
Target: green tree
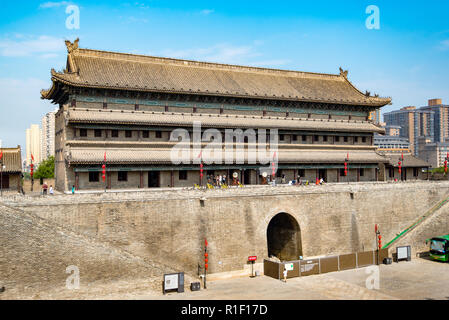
<point x="46" y="169"/>
<point x="438" y="170"/>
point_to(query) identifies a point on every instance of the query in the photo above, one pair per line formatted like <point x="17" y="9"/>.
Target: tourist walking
<point x="44" y="188"/>
<point x="51" y="191"/>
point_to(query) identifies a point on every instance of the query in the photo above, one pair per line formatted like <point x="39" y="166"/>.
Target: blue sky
<point x="407" y="58"/>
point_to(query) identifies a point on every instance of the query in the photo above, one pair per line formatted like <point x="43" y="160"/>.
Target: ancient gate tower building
<point x="126" y="106"/>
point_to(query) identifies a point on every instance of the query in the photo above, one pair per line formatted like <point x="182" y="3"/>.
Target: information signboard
<point x="403" y="253"/>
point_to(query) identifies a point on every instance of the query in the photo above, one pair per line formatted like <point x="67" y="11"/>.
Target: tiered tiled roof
<point x="409" y="161"/>
<point x="164" y="156"/>
<point x="12" y="160"/>
<point x="111" y="70"/>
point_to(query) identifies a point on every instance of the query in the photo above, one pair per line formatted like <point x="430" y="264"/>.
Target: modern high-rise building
<point x="414" y="123"/>
<point x="33" y="144"/>
<point x="441" y="119"/>
<point x="374" y="116"/>
<point x="48" y="135"/>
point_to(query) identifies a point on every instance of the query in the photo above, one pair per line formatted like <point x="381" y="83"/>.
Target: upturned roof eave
<point x="380" y="102"/>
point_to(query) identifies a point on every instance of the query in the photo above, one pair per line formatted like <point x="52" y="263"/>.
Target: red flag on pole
<point x="32" y="158"/>
<point x="205" y="242"/>
<point x="105" y="156"/>
<point x="1" y="155"/>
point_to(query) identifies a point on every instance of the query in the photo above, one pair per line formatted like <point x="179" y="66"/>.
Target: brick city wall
<point x="170" y="226"/>
<point x="35" y="253"/>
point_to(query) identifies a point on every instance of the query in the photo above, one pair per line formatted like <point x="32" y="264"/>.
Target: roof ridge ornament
<point x="343" y="73"/>
<point x="72" y="46"/>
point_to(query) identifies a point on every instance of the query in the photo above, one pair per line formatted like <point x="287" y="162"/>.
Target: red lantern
<point x="399" y="163"/>
<point x="32" y="169"/>
<point x="103" y="172"/>
<point x="206" y="254"/>
<point x="206" y="266"/>
<point x="346" y="168"/>
<point x="201" y="170"/>
<point x="445" y="166"/>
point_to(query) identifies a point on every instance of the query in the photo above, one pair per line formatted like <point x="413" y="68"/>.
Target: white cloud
<point x="444" y="44"/>
<point x="42" y="46"/>
<point x="207" y="11"/>
<point x="226" y="53"/>
<point x="223" y="53"/>
<point x="50" y="4"/>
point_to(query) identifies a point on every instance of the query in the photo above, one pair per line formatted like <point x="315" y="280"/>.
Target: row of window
<point x="317" y="138"/>
<point x="123" y="176"/>
<point x="98" y="133"/>
<point x="391" y="172"/>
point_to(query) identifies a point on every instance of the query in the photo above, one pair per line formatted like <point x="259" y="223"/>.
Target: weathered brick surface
<point x="435" y="225"/>
<point x="169" y="226"/>
<point x="35" y="253"/>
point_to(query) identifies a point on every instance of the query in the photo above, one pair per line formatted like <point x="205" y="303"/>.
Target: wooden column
<point x="358" y="174"/>
<point x="172" y="179"/>
<point x="108" y="179"/>
<point x="77" y="180"/>
<point x="141" y="180"/>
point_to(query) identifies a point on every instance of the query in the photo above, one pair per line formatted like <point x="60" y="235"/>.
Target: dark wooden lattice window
<point x="122" y="176"/>
<point x="94" y="176"/>
<point x="183" y="175"/>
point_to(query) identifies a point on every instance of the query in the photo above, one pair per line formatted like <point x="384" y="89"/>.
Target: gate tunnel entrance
<point x="284" y="237"/>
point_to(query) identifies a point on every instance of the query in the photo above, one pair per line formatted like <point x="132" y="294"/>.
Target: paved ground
<point x="418" y="279"/>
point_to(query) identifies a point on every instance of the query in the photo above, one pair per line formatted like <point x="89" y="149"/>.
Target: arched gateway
<point x="284" y="237"/>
